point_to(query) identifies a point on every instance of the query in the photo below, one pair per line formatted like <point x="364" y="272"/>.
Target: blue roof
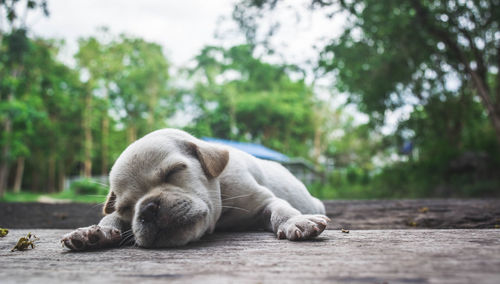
<point x="256" y="150"/>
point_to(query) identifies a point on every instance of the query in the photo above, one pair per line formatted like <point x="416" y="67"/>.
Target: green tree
<point x="127" y="87"/>
<point x="13" y="47"/>
<point x="141" y="86"/>
<point x="58" y="91"/>
<point x="238" y="96"/>
<point x="99" y="64"/>
<point x="43" y="114"/>
<point x="394" y="53"/>
<point x="441" y="58"/>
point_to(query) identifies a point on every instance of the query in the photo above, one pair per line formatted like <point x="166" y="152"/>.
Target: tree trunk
<point x="317" y="144"/>
<point x="131" y="133"/>
<point x="232" y="117"/>
<point x="496" y="124"/>
<point x="4" y="165"/>
<point x="484" y="95"/>
<point x="51" y="177"/>
<point x="105" y="134"/>
<point x="19" y="174"/>
<point x="61" y="175"/>
<point x="7" y="128"/>
<point x="479" y="78"/>
<point x="35" y="179"/>
<point x="153" y="101"/>
<point x="150" y="121"/>
<point x="87" y="126"/>
<point x="105" y="144"/>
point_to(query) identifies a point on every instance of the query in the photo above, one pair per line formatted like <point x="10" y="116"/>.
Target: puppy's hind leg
<point x="107" y="234"/>
<point x="288" y="223"/>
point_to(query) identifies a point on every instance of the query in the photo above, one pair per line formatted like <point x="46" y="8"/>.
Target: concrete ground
<point x="361" y="256"/>
<point x="349" y="214"/>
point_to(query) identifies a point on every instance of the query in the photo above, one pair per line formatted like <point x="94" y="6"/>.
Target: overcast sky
<point x="181" y="27"/>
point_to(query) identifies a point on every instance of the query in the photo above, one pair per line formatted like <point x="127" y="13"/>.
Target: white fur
<point x="248" y="193"/>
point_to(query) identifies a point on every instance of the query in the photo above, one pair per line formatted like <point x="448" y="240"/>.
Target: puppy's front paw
<point x="302" y="227"/>
<point x="92" y="237"/>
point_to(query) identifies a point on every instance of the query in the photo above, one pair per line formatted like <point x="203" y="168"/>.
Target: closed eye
<point x="173" y="170"/>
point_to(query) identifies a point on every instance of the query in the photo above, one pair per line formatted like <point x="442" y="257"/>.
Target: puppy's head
<point x="165" y="184"/>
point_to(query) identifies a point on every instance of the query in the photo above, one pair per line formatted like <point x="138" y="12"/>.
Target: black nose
<point x="148" y="212"/>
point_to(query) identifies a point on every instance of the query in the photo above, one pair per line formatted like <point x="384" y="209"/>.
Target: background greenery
<point x="440" y="59"/>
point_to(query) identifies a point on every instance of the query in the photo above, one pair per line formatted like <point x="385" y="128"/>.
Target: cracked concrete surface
<point x="361" y="256"/>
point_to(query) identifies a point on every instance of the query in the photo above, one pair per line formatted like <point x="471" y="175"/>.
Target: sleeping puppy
<point x="168" y="189"/>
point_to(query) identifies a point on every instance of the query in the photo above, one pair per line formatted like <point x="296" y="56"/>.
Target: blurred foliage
<point x="240" y="97"/>
<point x="438" y="60"/>
<point x="66" y="195"/>
<point x="130" y="77"/>
<point x="59" y="121"/>
<point x="88" y="187"/>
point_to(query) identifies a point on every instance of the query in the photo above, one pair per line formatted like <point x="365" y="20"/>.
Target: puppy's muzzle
<point x="167" y="210"/>
<point x="149" y="212"/>
<point x="168" y="219"/>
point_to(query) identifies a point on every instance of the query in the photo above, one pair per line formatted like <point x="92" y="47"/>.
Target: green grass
<point x="82" y="198"/>
<point x="20" y="197"/>
<point x="64" y="195"/>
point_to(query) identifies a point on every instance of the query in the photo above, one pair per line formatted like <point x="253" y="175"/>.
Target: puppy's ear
<point x="109" y="205"/>
<point x="213" y="160"/>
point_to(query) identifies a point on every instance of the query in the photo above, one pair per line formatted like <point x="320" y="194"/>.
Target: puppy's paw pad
<point x="303" y="227"/>
<point x="92" y="237"/>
